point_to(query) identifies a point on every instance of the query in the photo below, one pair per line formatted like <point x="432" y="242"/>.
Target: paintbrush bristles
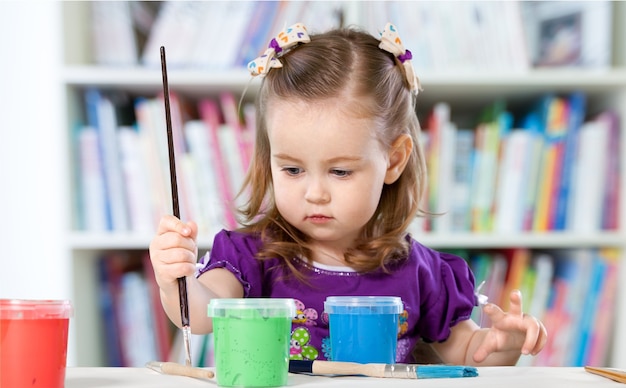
<point x="444" y="371"/>
<point x="412" y="371"/>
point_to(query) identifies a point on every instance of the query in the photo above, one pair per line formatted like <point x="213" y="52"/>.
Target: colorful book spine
<point x="601" y="336"/>
<point x="575" y="119"/>
<point x="611" y="208"/>
<point x="552" y="112"/>
<point x="462" y="180"/>
<point x="210" y="114"/>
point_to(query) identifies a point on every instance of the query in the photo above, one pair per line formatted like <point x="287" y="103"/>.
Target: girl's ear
<point x="399" y="154"/>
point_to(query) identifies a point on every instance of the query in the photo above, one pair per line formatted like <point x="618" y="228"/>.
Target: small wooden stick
<point x="174" y="368"/>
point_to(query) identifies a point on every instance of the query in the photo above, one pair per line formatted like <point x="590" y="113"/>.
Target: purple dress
<point x="437" y="290"/>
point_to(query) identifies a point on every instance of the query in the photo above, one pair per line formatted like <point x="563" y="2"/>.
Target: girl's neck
<point x="326" y="256"/>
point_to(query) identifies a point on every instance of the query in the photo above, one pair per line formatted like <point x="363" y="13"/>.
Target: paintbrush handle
<point x="174" y="368"/>
<point x="182" y="282"/>
<point x="347" y="368"/>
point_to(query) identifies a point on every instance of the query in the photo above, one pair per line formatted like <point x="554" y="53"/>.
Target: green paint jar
<point x="251" y="338"/>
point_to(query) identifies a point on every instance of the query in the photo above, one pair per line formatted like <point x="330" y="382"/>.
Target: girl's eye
<point x="341" y="173"/>
<point x="292" y="170"/>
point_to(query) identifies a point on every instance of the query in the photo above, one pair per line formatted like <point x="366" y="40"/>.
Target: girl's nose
<point x="316" y="192"/>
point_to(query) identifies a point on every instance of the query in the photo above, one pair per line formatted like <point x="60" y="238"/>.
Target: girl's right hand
<point x="173" y="251"/>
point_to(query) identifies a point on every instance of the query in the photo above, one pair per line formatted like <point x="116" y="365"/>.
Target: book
<point x="319" y="16"/>
<point x="179" y="113"/>
<point x="513" y="179"/>
<point x="532" y="124"/>
<point x="553" y="111"/>
<point x="210" y="114"/>
<point x="536" y="287"/>
<point x="495" y="124"/>
<point x="257" y="34"/>
<point x="163" y="327"/>
<point x="568" y="34"/>
<point x="571" y="284"/>
<point x="241" y="30"/>
<point x="109" y="275"/>
<point x="92" y="197"/>
<point x="611" y="203"/>
<point x="203" y="53"/>
<point x="136" y="321"/>
<point x="601" y="336"/>
<point x="575" y="119"/>
<point x="590" y="178"/>
<point x="543" y="264"/>
<point x="581" y="343"/>
<point x="103" y="115"/>
<point x="135" y="183"/>
<point x="175" y="28"/>
<point x="233" y="118"/>
<point x="442" y="134"/>
<point x="153" y="144"/>
<point x="113" y="37"/>
<point x="144" y="14"/>
<point x="518" y="260"/>
<point x="211" y="217"/>
<point x="227" y="140"/>
<point x="462" y="176"/>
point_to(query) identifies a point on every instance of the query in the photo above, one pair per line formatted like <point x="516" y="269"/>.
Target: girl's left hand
<point x="512" y="330"/>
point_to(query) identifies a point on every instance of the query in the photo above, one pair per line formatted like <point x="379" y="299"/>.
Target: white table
<point x="507" y="377"/>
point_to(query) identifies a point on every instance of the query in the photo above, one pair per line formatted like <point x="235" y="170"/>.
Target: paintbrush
<point x="174" y="368"/>
<point x="182" y="282"/>
<point x="399" y="371"/>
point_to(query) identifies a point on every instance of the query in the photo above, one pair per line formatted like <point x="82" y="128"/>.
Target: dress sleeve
<point x="448" y="295"/>
<point x="235" y="252"/>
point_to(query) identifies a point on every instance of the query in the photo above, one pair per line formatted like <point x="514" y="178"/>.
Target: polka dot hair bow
<point x="390" y="41"/>
<point x="287" y="38"/>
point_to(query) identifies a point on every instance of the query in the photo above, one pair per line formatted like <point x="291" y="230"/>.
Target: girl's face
<point x="328" y="170"/>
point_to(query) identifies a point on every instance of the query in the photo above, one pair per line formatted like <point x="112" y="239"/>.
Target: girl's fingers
<point x="494" y="312"/>
<point x="541" y="341"/>
<point x="532" y="335"/>
<point x="487" y="347"/>
<point x="169" y="223"/>
<point x="515" y="304"/>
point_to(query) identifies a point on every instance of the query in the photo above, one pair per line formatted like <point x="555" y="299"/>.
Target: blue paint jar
<point x="363" y="329"/>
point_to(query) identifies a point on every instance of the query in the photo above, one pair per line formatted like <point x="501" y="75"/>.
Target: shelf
<point x="469" y="90"/>
<point x="146" y="80"/>
<point x="120" y="241"/>
<point x="531" y="240"/>
<point x="535" y="79"/>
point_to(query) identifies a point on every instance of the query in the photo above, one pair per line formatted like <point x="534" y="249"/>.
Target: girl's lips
<point x="318" y="218"/>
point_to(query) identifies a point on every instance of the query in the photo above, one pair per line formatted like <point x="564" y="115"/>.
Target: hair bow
<point x="287" y="38"/>
<point x="390" y="41"/>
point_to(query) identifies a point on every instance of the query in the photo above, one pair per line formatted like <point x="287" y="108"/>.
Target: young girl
<point x="335" y="181"/>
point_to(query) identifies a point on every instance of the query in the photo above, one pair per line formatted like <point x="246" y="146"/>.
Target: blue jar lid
<point x="363" y="305"/>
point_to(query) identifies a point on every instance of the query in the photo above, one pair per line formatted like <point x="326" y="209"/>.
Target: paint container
<point x="252" y="340"/>
<point x="363" y="329"/>
<point x="33" y="342"/>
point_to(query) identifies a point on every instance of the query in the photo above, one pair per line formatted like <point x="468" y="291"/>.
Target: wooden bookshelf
<point x="467" y="90"/>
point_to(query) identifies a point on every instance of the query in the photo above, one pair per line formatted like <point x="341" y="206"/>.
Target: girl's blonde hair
<point x="343" y="63"/>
